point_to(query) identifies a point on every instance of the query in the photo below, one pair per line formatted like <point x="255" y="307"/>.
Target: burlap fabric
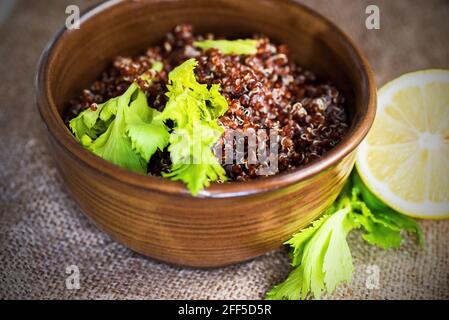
<point x="42" y="231"/>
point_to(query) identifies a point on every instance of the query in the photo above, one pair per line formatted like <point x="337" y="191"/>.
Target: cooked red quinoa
<point x="263" y="91"/>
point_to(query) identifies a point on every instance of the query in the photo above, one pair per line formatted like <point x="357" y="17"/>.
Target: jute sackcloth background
<point x="42" y="231"/>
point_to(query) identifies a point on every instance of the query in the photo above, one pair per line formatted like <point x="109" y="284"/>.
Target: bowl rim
<point x="61" y="134"/>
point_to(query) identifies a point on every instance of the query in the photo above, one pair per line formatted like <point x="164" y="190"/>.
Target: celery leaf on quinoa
<point x="194" y="109"/>
<point x="123" y="130"/>
<point x="240" y="46"/>
<point x="127" y="132"/>
<point x="88" y="122"/>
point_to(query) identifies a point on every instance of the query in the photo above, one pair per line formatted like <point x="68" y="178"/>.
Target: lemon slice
<point x="404" y="160"/>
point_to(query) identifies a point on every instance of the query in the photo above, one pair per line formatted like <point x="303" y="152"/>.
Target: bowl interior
<point x="78" y="57"/>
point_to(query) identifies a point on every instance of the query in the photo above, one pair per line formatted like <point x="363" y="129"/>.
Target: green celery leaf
<point x="198" y="174"/>
<point x="115" y="146"/>
<point x="396" y="221"/>
<point x="240" y="46"/>
<point x="146" y="137"/>
<point x="123" y="130"/>
<point x="368" y="197"/>
<point x="289" y="289"/>
<point x="182" y="108"/>
<point x="90" y="116"/>
<point x="187" y="144"/>
<point x="86" y="123"/>
<point x="189" y="100"/>
<point x="139" y="107"/>
<point x="192" y="144"/>
<point x="109" y="109"/>
<point x="86" y="141"/>
<point x="218" y="104"/>
<point x="300" y="239"/>
<point x="132" y="137"/>
<point x="321" y="256"/>
<point x="376" y="233"/>
<point x="181" y="145"/>
<point x="95" y="121"/>
<point x="337" y="266"/>
<point x="80" y="129"/>
<point x="381" y="214"/>
<point x="194" y="110"/>
<point x="382" y="236"/>
<point x="318" y="259"/>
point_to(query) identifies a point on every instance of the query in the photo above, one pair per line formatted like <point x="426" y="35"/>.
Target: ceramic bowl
<point x="227" y="223"/>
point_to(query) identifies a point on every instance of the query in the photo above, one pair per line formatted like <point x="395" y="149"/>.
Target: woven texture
<point x="42" y="231"/>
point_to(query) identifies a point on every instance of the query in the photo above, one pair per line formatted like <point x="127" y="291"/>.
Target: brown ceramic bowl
<point x="228" y="222"/>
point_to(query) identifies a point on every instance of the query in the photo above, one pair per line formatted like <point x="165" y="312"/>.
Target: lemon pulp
<point x="404" y="160"/>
